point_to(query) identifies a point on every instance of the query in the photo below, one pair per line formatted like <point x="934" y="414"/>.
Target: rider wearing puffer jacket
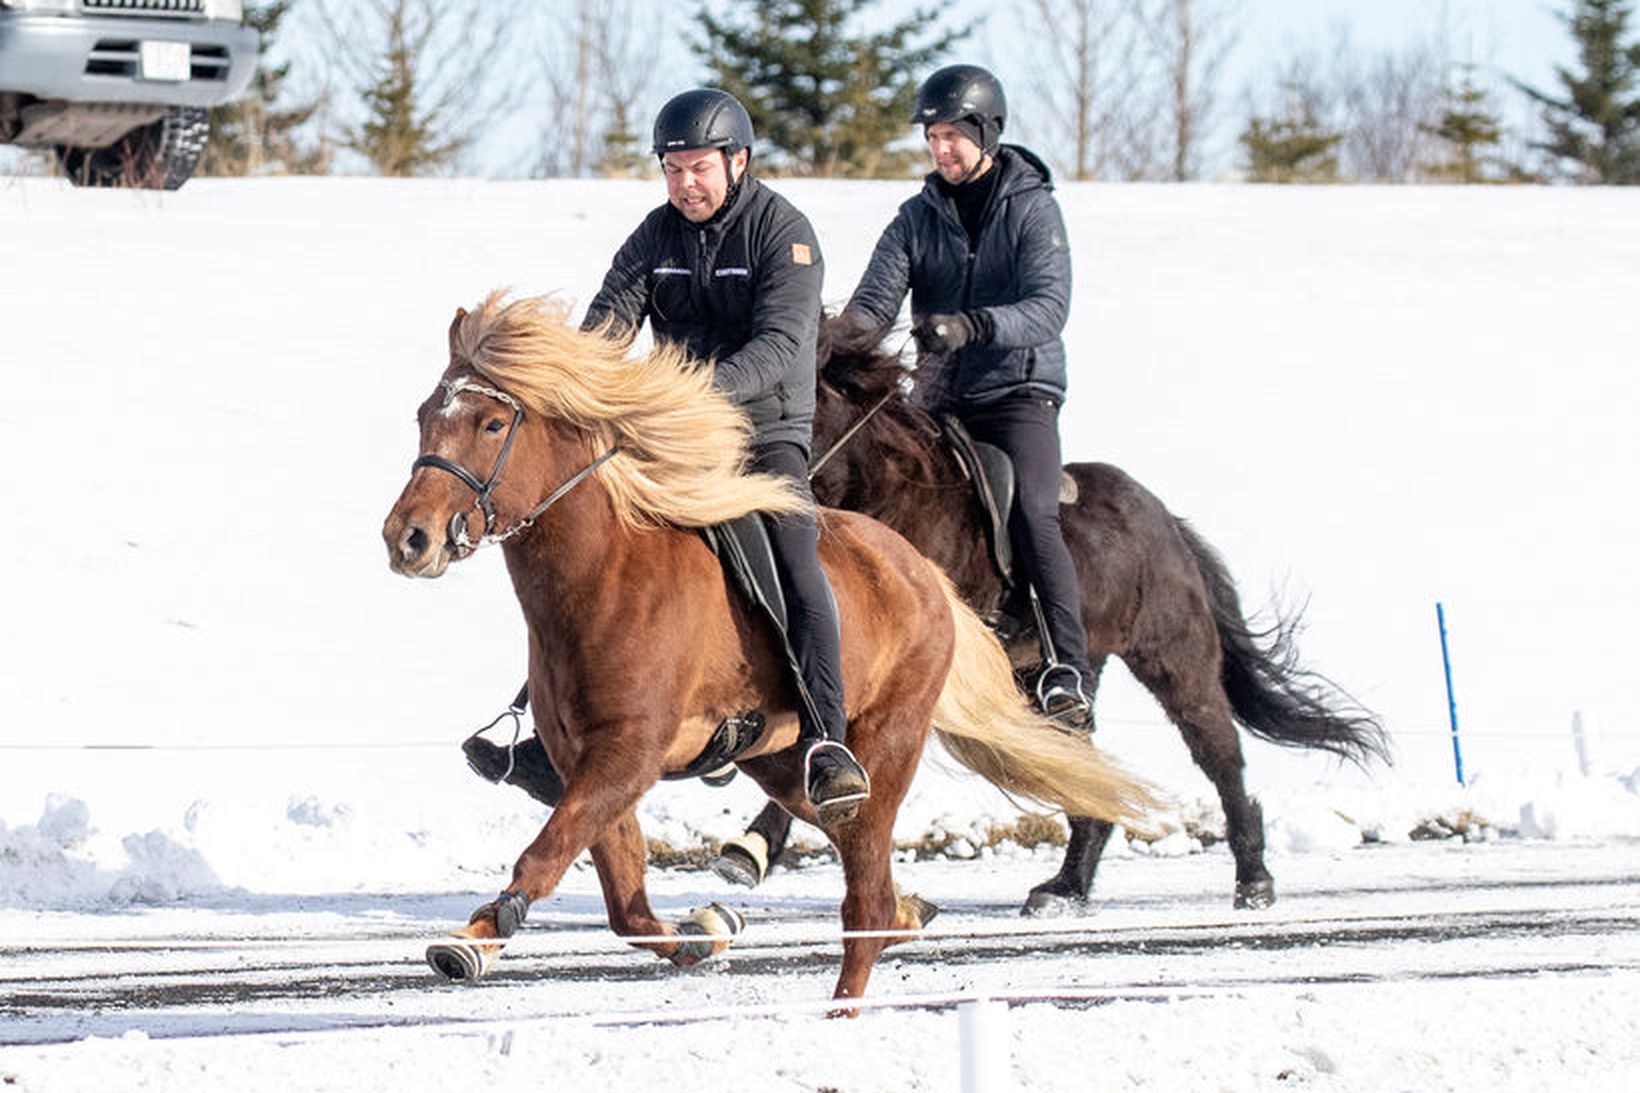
<point x="982" y="251"/>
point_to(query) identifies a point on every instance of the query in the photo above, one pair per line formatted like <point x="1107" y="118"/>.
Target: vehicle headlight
<point x="48" y="7"/>
<point x="225" y="9"/>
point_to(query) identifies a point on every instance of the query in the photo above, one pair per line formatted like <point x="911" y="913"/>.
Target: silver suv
<point x="119" y="88"/>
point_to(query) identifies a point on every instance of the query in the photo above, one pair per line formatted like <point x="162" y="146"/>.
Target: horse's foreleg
<point x="602" y="790"/>
<point x="621" y="858"/>
<point x="1069" y="889"/>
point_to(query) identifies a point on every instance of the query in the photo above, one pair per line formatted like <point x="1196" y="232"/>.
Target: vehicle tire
<point x="158" y="156"/>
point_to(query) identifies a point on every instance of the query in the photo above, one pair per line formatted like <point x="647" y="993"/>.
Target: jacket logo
<point x="732" y="271"/>
<point x="802" y="255"/>
<point x="670" y="271"/>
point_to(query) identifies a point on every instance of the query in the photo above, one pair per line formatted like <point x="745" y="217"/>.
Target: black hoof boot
<point x="1255" y="895"/>
<point x="524" y="764"/>
<point x="1054" y="898"/>
<point x="835" y="781"/>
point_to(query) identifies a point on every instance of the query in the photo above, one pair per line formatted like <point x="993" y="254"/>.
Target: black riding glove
<point x="945" y="334"/>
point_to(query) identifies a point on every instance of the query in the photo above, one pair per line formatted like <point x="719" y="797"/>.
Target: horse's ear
<point x="455" y="325"/>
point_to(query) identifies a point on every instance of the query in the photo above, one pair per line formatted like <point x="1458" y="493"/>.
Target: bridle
<point x="456" y="533"/>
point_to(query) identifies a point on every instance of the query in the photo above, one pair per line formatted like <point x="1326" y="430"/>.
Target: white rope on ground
<point x="1469" y="734"/>
<point x="544" y="940"/>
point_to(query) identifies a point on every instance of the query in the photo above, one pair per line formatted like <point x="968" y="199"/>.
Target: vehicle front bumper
<point x="96" y="59"/>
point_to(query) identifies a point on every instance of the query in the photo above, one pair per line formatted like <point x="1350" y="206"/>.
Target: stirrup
<point x="487" y="763"/>
<point x="839" y="785"/>
<point x="1064" y="700"/>
<point x="722" y="776"/>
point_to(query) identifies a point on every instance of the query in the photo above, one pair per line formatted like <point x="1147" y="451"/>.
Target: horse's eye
<point x="495" y="425"/>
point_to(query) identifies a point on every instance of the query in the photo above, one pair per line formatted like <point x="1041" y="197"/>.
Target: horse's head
<point x="530" y="407"/>
<point x="477" y="476"/>
<point x="864" y="420"/>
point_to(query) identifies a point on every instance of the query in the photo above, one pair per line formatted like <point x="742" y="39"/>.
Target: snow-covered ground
<point x="216" y="700"/>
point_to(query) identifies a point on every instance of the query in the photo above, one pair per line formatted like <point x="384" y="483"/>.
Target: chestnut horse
<point x="1154" y="593"/>
<point x="597" y="472"/>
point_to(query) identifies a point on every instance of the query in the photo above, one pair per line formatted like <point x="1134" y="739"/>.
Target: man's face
<point x="697" y="181"/>
<point x="955" y="156"/>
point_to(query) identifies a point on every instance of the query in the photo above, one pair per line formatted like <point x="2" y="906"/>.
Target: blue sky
<point x="1519" y="37"/>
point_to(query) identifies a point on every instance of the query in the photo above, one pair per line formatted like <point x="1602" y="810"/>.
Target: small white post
<point x="987" y="1048"/>
<point x="1580" y="742"/>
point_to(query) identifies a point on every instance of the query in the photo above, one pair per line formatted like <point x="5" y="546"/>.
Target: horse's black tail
<point x="1272" y="696"/>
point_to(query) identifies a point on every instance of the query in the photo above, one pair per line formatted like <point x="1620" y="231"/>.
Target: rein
<point x="457" y="531"/>
<point x="848" y="435"/>
<point x="901" y="387"/>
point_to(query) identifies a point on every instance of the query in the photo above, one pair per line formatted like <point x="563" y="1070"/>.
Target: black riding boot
<point x="524" y="764"/>
<point x="1060" y="693"/>
<point x="833" y="779"/>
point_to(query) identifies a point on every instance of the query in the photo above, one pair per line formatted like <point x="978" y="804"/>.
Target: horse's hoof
<point x="462" y="958"/>
<point x="1255" y="895"/>
<point x="743" y="860"/>
<point x="922" y="908"/>
<point x="1048" y="902"/>
<point x="715" y="925"/>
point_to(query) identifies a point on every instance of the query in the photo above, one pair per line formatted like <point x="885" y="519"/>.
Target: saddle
<point x="991" y="471"/>
<point x="742" y="545"/>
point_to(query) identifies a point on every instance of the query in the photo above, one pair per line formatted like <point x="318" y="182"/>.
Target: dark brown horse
<point x="1153" y="593"/>
<point x="595" y="472"/>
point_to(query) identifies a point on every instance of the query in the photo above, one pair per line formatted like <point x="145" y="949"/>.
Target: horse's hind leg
<point x="870" y="903"/>
<point x="1195" y="701"/>
<point x="890" y="747"/>
<point x="621" y="858"/>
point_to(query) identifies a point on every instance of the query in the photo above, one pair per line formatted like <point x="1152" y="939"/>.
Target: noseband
<point x="457" y="531"/>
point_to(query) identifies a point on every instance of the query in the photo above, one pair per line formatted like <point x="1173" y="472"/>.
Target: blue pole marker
<point x="1451" y="702"/>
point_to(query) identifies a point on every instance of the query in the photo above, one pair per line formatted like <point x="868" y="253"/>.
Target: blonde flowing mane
<point x="683" y="444"/>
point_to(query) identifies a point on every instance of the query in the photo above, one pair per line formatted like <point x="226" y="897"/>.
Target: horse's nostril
<point x="415" y="543"/>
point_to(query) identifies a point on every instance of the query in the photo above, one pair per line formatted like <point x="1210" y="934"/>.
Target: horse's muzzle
<point x="415" y="553"/>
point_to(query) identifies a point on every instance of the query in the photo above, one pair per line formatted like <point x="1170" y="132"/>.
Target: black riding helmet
<point x="968" y="97"/>
<point x="702" y="118"/>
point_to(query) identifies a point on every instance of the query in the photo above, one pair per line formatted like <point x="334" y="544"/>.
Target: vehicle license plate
<point x="165" y="61"/>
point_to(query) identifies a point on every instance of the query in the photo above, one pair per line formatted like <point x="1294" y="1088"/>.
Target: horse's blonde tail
<point x="989" y="727"/>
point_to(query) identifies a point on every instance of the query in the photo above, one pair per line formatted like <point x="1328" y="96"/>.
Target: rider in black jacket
<point x="982" y="250"/>
<point x="732" y="271"/>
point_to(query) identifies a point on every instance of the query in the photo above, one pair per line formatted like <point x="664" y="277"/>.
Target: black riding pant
<point x="1026" y="426"/>
<point x="811" y="611"/>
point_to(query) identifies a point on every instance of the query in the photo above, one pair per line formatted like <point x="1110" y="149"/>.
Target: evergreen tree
<point x="828" y="101"/>
<point x="423" y="70"/>
<point x="251" y="135"/>
<point x="1294" y="146"/>
<point x="1596" y="124"/>
<point x="626" y="152"/>
<point x="397" y="137"/>
<point x="1470" y="131"/>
